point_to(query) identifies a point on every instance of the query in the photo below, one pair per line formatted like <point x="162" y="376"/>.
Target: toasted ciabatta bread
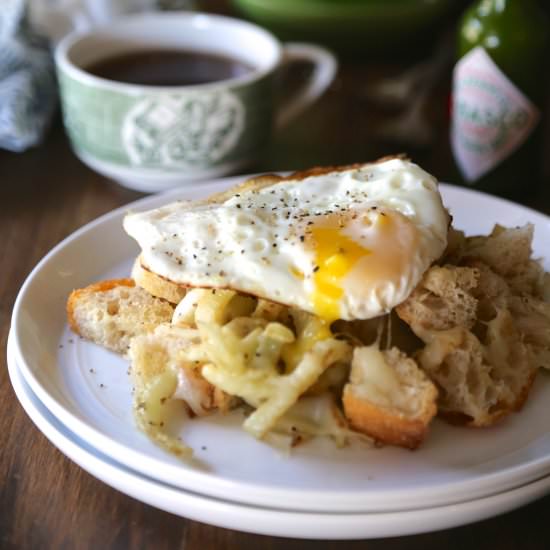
<point x="511" y="279"/>
<point x="507" y="252"/>
<point x="443" y="300"/>
<point x="156" y="285"/>
<point x="111" y="313"/>
<point x="476" y="349"/>
<point x="266" y="180"/>
<point x="388" y="397"/>
<point x="480" y="382"/>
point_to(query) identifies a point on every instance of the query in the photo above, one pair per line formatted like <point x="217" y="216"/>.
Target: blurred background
<point x="392" y="93"/>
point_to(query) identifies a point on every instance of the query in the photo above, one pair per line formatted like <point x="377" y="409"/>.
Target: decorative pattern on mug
<point x="178" y="131"/>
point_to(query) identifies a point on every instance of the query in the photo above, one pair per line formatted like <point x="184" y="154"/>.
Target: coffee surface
<point x="168" y="67"/>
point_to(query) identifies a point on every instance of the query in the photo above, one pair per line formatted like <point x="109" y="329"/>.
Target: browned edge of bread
<point x="386" y="426"/>
<point x="157" y="285"/>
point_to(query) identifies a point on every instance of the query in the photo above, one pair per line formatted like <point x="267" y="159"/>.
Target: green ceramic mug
<point x="152" y="138"/>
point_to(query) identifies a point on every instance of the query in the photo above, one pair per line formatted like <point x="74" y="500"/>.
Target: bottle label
<point x="491" y="117"/>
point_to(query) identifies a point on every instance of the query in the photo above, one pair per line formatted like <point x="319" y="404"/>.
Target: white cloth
<point x="27" y="82"/>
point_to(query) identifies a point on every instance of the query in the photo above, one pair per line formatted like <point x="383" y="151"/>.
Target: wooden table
<point x="48" y="502"/>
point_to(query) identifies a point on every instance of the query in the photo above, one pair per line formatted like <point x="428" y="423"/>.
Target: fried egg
<point x="348" y="244"/>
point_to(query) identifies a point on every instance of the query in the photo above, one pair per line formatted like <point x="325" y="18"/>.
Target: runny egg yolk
<point x="335" y="256"/>
<point x="358" y="253"/>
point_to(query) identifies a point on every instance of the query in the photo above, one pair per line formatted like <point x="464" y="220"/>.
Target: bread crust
<point x="389" y="426"/>
<point x="321" y="170"/>
<point x="156" y="284"/>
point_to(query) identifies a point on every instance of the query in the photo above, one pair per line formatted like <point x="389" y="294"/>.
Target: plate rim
<point x="237" y="516"/>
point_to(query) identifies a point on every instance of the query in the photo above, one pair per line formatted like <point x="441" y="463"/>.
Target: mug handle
<point x="324" y="69"/>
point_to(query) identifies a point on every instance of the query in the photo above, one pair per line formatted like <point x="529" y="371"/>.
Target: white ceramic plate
<point x="264" y="521"/>
<point x="87" y="389"/>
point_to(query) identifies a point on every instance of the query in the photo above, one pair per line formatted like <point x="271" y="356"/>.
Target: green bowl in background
<point x="359" y="27"/>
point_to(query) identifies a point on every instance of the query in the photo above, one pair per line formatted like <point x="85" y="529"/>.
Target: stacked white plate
<point x="79" y="396"/>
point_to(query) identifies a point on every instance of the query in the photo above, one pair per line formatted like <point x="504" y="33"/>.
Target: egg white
<point x="348" y="244"/>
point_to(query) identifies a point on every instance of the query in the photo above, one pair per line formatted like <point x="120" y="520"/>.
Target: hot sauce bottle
<point x="499" y="90"/>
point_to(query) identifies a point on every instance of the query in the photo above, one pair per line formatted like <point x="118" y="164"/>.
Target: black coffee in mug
<point x="168" y="67"/>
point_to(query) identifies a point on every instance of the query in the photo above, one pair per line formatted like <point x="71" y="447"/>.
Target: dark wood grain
<point x="46" y="501"/>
